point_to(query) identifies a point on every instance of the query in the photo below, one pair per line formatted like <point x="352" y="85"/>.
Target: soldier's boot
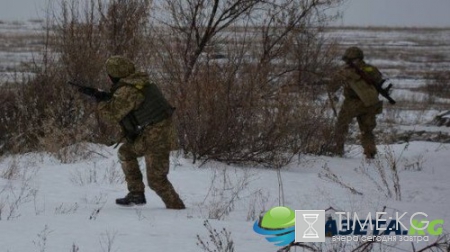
<point x="132" y="199"/>
<point x="171" y="198"/>
<point x="370" y="149"/>
<point x="370" y="155"/>
<point x="368" y="143"/>
<point x="175" y="203"/>
<point x="338" y="149"/>
<point x="166" y="192"/>
<point x="133" y="177"/>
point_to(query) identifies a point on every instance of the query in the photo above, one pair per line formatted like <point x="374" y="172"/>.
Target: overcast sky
<point x="356" y="12"/>
<point x="396" y="13"/>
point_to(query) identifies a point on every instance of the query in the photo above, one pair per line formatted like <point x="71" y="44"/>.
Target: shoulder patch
<point x="368" y="69"/>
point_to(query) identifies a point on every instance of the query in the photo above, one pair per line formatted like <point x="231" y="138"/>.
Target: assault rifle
<point x="379" y="87"/>
<point x="93" y="92"/>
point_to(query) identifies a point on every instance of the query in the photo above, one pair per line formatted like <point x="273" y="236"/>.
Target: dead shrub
<point x="228" y="79"/>
<point x="438" y="85"/>
<point x="230" y="116"/>
<point x="44" y="113"/>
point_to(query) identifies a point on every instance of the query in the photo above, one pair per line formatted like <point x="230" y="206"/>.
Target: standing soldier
<point x="145" y="117"/>
<point x="361" y="100"/>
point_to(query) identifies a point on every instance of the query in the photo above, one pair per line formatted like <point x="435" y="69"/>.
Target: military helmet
<point x="119" y="67"/>
<point x="353" y="53"/>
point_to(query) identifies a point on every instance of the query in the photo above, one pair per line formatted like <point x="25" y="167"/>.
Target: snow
<point x="66" y="204"/>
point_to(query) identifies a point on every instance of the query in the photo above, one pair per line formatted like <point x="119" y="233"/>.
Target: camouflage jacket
<point x="126" y="97"/>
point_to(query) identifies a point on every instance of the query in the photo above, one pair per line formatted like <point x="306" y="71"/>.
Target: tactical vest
<point x="155" y="108"/>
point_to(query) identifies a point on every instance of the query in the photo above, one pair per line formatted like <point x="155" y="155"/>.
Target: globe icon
<point x="278" y="217"/>
<point x="278" y="225"/>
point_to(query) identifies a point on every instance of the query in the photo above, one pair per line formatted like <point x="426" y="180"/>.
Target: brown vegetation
<point x="245" y="88"/>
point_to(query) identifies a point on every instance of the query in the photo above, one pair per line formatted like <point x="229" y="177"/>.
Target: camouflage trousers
<point x="366" y="117"/>
<point x="154" y="145"/>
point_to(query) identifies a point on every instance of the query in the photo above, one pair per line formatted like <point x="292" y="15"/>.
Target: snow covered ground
<point x="48" y="205"/>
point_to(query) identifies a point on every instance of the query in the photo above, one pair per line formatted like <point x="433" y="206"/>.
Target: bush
<point x="243" y="92"/>
<point x="246" y="93"/>
<point x="44" y="113"/>
<point x="438" y="84"/>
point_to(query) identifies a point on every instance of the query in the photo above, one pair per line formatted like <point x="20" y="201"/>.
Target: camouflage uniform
<point x="154" y="142"/>
<point x="361" y="101"/>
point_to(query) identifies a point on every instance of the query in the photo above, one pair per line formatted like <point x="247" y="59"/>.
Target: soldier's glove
<point x="102" y="95"/>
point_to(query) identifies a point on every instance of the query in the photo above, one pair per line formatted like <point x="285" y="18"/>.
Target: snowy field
<point x="47" y="205"/>
<point x="21" y="45"/>
<point x="66" y="203"/>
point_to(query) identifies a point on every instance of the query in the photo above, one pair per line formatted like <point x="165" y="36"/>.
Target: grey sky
<point x="356" y="12"/>
<point x="397" y="13"/>
<point x="21" y="9"/>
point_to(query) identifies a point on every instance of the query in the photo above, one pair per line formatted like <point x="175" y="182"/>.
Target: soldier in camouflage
<point x="145" y="118"/>
<point x="361" y="102"/>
